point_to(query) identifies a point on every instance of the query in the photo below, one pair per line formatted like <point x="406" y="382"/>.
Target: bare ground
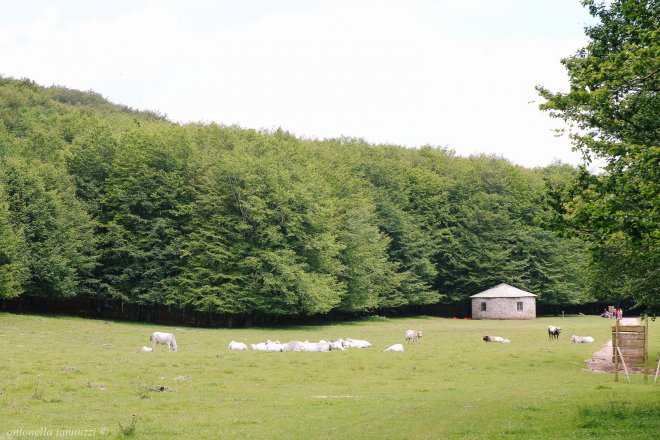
<point x="601" y="362"/>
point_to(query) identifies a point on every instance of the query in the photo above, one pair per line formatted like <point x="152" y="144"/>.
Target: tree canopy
<point x="105" y="202"/>
<point x="613" y="112"/>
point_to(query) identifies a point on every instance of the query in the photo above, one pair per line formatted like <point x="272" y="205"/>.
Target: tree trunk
<point x="99" y="308"/>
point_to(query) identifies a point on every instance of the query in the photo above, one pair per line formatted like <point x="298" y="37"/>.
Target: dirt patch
<point x="162" y="389"/>
<point x="601" y="362"/>
<point x="99" y="386"/>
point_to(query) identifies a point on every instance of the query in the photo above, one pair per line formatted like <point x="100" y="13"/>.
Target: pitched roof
<point x="502" y="291"/>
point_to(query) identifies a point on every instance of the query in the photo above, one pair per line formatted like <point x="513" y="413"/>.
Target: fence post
<point x="646" y="350"/>
<point x="615" y="344"/>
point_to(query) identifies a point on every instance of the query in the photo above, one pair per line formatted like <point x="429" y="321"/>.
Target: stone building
<point x="504" y="302"/>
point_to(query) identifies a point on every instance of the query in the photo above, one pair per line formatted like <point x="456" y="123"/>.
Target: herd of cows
<point x="553" y="333"/>
<point x="161" y="338"/>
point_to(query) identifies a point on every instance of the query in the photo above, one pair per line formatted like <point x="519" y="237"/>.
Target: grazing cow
<point x="413" y="335"/>
<point x="164" y="339"/>
<point x="395" y="347"/>
<point x="358" y="343"/>
<point x="553" y="332"/>
<point x="496" y="339"/>
<point x="581" y="339"/>
<point x="147" y="349"/>
<point x="292" y="346"/>
<point x="233" y="345"/>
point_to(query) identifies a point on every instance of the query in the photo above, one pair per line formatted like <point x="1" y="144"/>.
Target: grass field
<point x="68" y="377"/>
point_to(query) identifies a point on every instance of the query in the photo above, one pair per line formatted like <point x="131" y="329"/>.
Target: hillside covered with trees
<point x="101" y="201"/>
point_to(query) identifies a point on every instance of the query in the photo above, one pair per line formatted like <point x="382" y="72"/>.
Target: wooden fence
<point x="632" y="340"/>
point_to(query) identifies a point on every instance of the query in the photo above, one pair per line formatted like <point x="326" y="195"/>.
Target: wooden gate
<point x="631" y="341"/>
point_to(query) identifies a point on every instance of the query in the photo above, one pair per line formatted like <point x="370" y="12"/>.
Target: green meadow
<point x="68" y="377"/>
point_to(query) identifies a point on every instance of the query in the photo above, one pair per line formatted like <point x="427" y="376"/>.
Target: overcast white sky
<point x="450" y="73"/>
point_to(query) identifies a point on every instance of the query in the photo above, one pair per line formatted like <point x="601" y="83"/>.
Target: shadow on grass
<point x="290" y="323"/>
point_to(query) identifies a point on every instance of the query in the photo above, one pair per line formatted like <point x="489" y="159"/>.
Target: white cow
<point x="395" y="347"/>
<point x="321" y="346"/>
<point x="337" y="345"/>
<point x="292" y="346"/>
<point x="274" y="346"/>
<point x="309" y="346"/>
<point x="147" y="349"/>
<point x="233" y="345"/>
<point x="261" y="346"/>
<point x="164" y="339"/>
<point x="358" y="343"/>
<point x="496" y="339"/>
<point x="581" y="339"/>
<point x="413" y="335"/>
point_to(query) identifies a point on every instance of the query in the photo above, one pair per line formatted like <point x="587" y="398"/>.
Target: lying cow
<point x="292" y="346"/>
<point x="395" y="347"/>
<point x="496" y="339"/>
<point x="581" y="339"/>
<point x="413" y="335"/>
<point x="358" y="343"/>
<point x="553" y="332"/>
<point x="261" y="346"/>
<point x="233" y="345"/>
<point x="163" y="339"/>
<point x="274" y="346"/>
<point x="337" y="345"/>
<point x="321" y="346"/>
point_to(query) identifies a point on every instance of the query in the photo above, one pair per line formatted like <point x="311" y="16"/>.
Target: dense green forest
<point x="102" y="201"/>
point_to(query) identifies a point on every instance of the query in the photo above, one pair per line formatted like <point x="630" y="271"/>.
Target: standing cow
<point x="553" y="332"/>
<point x="164" y="339"/>
<point x="413" y="335"/>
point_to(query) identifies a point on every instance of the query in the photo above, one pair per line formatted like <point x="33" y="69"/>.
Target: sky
<point x="455" y="74"/>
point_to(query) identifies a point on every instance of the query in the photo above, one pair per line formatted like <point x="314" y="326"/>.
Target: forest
<point x="102" y="201"/>
<point x="120" y="206"/>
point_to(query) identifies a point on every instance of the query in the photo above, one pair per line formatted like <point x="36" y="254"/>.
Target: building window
<point x="520" y="307"/>
<point x="483" y="306"/>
